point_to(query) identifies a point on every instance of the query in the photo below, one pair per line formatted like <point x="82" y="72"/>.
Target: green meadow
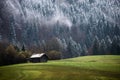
<point x="104" y="67"/>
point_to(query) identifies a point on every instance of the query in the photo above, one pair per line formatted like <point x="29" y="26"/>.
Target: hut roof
<point x="38" y="55"/>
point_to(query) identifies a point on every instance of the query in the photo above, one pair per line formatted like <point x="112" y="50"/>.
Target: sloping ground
<point x="82" y="68"/>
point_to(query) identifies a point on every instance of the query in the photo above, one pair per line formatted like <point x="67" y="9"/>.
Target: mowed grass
<point x="105" y="67"/>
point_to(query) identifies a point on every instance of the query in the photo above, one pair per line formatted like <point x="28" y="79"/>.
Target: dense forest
<point x="60" y="28"/>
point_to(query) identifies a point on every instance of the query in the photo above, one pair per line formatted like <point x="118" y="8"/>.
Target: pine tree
<point x="115" y="46"/>
<point x="95" y="47"/>
<point x="23" y="48"/>
<point x="103" y="47"/>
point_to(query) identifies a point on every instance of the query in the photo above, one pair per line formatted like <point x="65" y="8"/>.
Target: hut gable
<point x="37" y="57"/>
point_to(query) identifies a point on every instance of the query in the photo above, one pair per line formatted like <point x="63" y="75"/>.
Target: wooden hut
<point x="37" y="57"/>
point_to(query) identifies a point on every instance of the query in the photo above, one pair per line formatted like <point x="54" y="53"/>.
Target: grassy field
<point x="81" y="68"/>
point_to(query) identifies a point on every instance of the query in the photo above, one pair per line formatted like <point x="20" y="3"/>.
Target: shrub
<point x="54" y="55"/>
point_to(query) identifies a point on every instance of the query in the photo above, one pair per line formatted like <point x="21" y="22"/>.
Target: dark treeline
<point x="13" y="54"/>
<point x="10" y="54"/>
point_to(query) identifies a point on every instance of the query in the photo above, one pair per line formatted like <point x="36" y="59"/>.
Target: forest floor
<point x="102" y="67"/>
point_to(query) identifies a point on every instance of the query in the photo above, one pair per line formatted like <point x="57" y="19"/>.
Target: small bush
<point x="54" y="55"/>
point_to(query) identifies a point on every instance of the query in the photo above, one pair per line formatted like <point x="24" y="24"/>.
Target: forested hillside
<point x="68" y="27"/>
